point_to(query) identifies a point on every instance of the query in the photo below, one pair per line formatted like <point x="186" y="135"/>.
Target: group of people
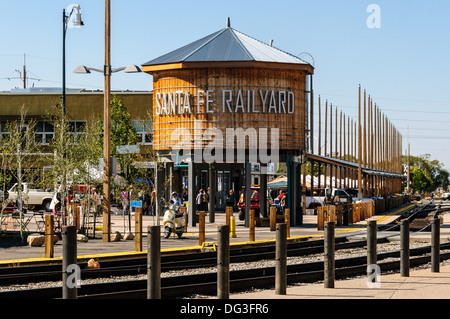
<point x="202" y="200"/>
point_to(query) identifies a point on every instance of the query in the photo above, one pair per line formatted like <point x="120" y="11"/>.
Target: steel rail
<point x="180" y="286"/>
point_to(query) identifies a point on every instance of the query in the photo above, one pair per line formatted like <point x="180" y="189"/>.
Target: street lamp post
<point x="77" y="23"/>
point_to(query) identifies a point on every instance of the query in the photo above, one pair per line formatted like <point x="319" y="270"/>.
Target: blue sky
<point x="403" y="65"/>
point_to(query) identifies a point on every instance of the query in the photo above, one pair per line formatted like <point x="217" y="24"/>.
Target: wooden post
<point x="404" y="248"/>
<point x="435" y="244"/>
<point x="228" y="214"/>
<point x="183" y="210"/>
<point x="106" y="202"/>
<point x="287" y="220"/>
<point x="359" y="146"/>
<point x="69" y="263"/>
<point x="49" y="231"/>
<point x="201" y="227"/>
<point x="153" y="262"/>
<point x="252" y="223"/>
<point x="329" y="262"/>
<point x="223" y="263"/>
<point x="281" y="260"/>
<point x="138" y="229"/>
<point x="273" y="218"/>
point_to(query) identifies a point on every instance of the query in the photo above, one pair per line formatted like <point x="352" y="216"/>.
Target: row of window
<point x="44" y="131"/>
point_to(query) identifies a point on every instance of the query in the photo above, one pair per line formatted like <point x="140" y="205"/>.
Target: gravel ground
<point x="344" y="253"/>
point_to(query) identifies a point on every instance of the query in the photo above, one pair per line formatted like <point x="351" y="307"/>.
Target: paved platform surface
<point x="96" y="248"/>
<point x="421" y="284"/>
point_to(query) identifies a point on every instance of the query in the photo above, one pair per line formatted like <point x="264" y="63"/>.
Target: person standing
<point x="231" y="199"/>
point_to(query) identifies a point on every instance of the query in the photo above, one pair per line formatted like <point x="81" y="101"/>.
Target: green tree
<point x="427" y="175"/>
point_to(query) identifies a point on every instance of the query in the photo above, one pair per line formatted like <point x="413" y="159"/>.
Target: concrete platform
<point x="96" y="248"/>
<point x="421" y="284"/>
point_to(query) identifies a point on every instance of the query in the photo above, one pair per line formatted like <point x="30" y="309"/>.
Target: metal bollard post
<point x="233" y="227"/>
<point x="435" y="244"/>
<point x="49" y="231"/>
<point x="329" y="255"/>
<point x="371" y="242"/>
<point x="281" y="260"/>
<point x="71" y="273"/>
<point x="252" y="223"/>
<point x="223" y="263"/>
<point x="153" y="262"/>
<point x="404" y="248"/>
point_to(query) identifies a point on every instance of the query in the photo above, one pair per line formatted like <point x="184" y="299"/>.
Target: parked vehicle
<point x="445" y="195"/>
<point x="31" y="197"/>
<point x="173" y="222"/>
<point x="254" y="201"/>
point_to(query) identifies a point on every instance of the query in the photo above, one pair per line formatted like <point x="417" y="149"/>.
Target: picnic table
<point x="12" y="220"/>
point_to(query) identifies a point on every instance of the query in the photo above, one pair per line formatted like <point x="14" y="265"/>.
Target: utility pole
<point x="106" y="202"/>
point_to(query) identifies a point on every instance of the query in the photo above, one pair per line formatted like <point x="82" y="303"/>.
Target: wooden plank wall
<point x="291" y="126"/>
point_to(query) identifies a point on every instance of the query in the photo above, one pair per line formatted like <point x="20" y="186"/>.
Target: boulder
<point x="128" y="236"/>
<point x="115" y="236"/>
<point x="82" y="238"/>
<point x="35" y="240"/>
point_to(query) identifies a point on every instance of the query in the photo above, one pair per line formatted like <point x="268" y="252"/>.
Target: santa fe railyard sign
<point x="252" y="101"/>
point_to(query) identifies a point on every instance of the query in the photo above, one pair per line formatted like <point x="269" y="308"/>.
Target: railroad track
<point x="138" y="265"/>
<point x="206" y="284"/>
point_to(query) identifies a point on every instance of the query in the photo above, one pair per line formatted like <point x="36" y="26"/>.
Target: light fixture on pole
<point x="132" y="68"/>
<point x="77" y="23"/>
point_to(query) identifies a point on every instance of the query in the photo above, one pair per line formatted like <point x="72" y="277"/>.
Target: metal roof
<point x="226" y="45"/>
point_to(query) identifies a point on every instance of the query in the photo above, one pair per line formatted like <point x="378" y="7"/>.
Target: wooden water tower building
<point x="223" y="103"/>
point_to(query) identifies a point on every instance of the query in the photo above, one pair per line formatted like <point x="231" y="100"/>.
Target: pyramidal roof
<point x="226" y="45"/>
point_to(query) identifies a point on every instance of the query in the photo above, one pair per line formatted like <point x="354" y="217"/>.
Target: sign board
<point x="136" y="203"/>
<point x="127" y="149"/>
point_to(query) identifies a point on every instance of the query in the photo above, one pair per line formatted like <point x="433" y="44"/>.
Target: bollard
<point x="138" y="229"/>
<point x="281" y="260"/>
<point x="371" y="242"/>
<point x="404" y="248"/>
<point x="223" y="263"/>
<point x="252" y="223"/>
<point x="201" y="228"/>
<point x="287" y="220"/>
<point x="228" y="214"/>
<point x="233" y="227"/>
<point x="435" y="244"/>
<point x="69" y="262"/>
<point x="273" y="218"/>
<point x="49" y="231"/>
<point x="329" y="255"/>
<point x="183" y="210"/>
<point x="153" y="262"/>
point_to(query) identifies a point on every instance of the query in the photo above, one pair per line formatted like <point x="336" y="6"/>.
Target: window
<point x="144" y="130"/>
<point x="4" y="130"/>
<point x="77" y="129"/>
<point x="44" y="133"/>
